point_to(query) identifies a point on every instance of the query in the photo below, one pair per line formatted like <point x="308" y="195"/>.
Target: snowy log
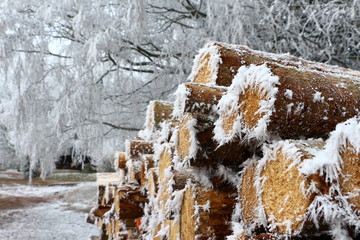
<point x="157" y="112"/>
<point x="152" y="181"/>
<point x="120" y="160"/>
<point x="289" y="102"/>
<point x="147" y="163"/>
<point x="340" y="162"/>
<point x="133" y="170"/>
<point x="206" y="213"/>
<point x="197" y="99"/>
<point x="251" y="213"/>
<point x="217" y="63"/>
<point x="136" y="148"/>
<point x="286" y="193"/>
<point x="128" y="202"/>
<point x="195" y="144"/>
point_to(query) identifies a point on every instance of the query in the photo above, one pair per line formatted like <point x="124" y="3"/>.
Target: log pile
<point x="255" y="146"/>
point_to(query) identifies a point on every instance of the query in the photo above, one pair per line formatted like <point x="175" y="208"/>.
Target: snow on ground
<point x="55" y="211"/>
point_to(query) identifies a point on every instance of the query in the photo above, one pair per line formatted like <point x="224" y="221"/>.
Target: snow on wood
<point x="196" y="146"/>
<point x="120" y="160"/>
<point x="157" y="112"/>
<point x="285" y="193"/>
<point x="258" y="105"/>
<point x="206" y="213"/>
<point x="215" y="164"/>
<point x="135" y="148"/>
<point x="198" y="99"/>
<point x="217" y="63"/>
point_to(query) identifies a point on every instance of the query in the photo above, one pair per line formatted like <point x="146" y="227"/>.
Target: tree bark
<point x="198" y="99"/>
<point x="217" y="64"/>
<point x="158" y="112"/>
<point x="206" y="213"/>
<point x="129" y="201"/>
<point x="136" y="148"/>
<point x="296" y="103"/>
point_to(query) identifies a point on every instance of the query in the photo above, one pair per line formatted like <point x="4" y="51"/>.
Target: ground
<point x="51" y="209"/>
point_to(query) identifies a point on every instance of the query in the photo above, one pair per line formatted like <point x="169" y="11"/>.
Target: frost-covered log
<point x="120" y="160"/>
<point x="195" y="144"/>
<point x="157" y="112"/>
<point x="133" y="170"/>
<point x="198" y="99"/>
<point x="206" y="213"/>
<point x="340" y="163"/>
<point x="288" y="196"/>
<point x="129" y="201"/>
<point x="217" y="63"/>
<point x="250" y="211"/>
<point x="273" y="99"/>
<point x="147" y="163"/>
<point x="135" y="148"/>
<point x="106" y="182"/>
<point x="152" y="181"/>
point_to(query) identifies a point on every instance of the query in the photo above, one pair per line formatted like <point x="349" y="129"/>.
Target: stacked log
<point x="238" y="155"/>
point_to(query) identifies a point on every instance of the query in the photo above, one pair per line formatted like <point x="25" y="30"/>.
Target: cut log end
<point x="250" y="105"/>
<point x="248" y="196"/>
<point x="206" y="71"/>
<point x="283" y="193"/>
<point x="185" y="137"/>
<point x="158" y="112"/>
<point x="350" y="177"/>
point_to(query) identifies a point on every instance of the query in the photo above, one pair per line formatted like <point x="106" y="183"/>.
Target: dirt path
<point x="45" y="210"/>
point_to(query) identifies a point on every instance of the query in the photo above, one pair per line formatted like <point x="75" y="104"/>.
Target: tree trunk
<point x="158" y="112"/>
<point x="136" y="148"/>
<point x="129" y="202"/>
<point x="287" y="193"/>
<point x="195" y="144"/>
<point x="206" y="213"/>
<point x="120" y="160"/>
<point x="288" y="102"/>
<point x="218" y="63"/>
<point x="198" y="99"/>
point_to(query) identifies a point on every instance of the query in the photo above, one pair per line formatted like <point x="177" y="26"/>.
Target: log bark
<point x="288" y="102"/>
<point x="195" y="144"/>
<point x="206" y="213"/>
<point x="198" y="99"/>
<point x="129" y="201"/>
<point x="158" y="112"/>
<point x="287" y="193"/>
<point x="100" y="210"/>
<point x="136" y="148"/>
<point x="217" y="63"/>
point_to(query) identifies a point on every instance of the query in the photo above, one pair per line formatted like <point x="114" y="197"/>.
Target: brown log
<point x="217" y="63"/>
<point x="158" y="112"/>
<point x="344" y="142"/>
<point x="100" y="210"/>
<point x="128" y="202"/>
<point x="288" y="102"/>
<point x="248" y="198"/>
<point x="120" y="160"/>
<point x="104" y="180"/>
<point x="133" y="170"/>
<point x="136" y="148"/>
<point x="147" y="163"/>
<point x="152" y="181"/>
<point x="198" y="99"/>
<point x="207" y="223"/>
<point x="195" y="143"/>
<point x="287" y="193"/>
